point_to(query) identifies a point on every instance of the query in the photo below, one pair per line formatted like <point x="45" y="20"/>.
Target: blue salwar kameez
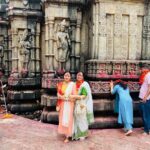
<point x="125" y="106"/>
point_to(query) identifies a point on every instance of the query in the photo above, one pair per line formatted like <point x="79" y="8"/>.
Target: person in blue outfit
<point x="144" y="96"/>
<point x="124" y="105"/>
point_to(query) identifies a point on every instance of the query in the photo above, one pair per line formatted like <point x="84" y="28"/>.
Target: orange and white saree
<point x="66" y="119"/>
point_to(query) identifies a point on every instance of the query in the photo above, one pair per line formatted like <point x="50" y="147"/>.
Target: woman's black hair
<point x="122" y="84"/>
<point x="66" y="72"/>
<point x="82" y="73"/>
<point x="59" y="74"/>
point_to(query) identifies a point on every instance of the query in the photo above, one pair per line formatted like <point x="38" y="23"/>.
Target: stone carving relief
<point x="63" y="43"/>
<point x="101" y="87"/>
<point x="25" y="42"/>
<point x="113" y="69"/>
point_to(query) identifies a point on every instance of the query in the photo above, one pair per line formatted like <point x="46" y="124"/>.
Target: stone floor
<point x="18" y="133"/>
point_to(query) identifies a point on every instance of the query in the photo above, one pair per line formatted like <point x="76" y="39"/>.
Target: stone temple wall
<point x="41" y="39"/>
<point x="116" y="28"/>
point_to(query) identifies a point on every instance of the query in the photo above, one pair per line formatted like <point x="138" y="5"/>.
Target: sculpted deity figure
<point x="26" y="45"/>
<point x="63" y="44"/>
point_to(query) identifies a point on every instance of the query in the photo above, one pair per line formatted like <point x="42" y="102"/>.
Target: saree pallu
<point x="83" y="120"/>
<point x="66" y="119"/>
<point x="61" y="91"/>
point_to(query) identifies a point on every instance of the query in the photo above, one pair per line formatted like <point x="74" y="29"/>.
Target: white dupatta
<point x="89" y="102"/>
<point x="67" y="109"/>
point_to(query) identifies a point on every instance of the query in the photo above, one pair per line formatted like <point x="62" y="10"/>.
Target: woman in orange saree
<point x="65" y="106"/>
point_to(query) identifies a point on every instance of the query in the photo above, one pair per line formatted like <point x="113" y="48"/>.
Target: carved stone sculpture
<point x="25" y="45"/>
<point x="63" y="44"/>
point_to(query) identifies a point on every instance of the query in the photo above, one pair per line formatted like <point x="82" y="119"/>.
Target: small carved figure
<point x="26" y="45"/>
<point x="63" y="43"/>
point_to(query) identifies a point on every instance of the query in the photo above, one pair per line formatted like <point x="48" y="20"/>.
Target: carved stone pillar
<point x="78" y="39"/>
<point x="132" y="36"/>
<point x="38" y="50"/>
<point x="146" y="32"/>
<point x="51" y="45"/>
<point x="73" y="46"/>
<point x="4" y="42"/>
<point x="24" y="81"/>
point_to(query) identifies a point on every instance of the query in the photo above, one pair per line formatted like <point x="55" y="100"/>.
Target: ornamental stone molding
<point x="114" y="69"/>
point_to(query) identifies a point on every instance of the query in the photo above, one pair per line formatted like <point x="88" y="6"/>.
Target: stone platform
<point x="18" y="133"/>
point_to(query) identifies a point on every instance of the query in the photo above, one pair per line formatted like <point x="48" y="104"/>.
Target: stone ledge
<point x="98" y="104"/>
<point x="97" y="87"/>
<point x="24" y="12"/>
<point x="100" y="122"/>
<point x="24" y="82"/>
<point x="19" y="108"/>
<point x="23" y="95"/>
<point x="66" y="1"/>
<point x="103" y="87"/>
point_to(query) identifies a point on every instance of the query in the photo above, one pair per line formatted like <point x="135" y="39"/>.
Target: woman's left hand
<point x="144" y="100"/>
<point x="72" y="99"/>
<point x="111" y="84"/>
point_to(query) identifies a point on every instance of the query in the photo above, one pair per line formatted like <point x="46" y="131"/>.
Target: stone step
<point x="111" y="122"/>
<point x="24" y="82"/>
<point x="21" y="95"/>
<point x="100" y="121"/>
<point x="19" y="108"/>
<point x="99" y="104"/>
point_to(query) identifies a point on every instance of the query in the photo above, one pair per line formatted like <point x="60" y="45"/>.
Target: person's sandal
<point x="82" y="138"/>
<point x="128" y="133"/>
<point x="145" y="134"/>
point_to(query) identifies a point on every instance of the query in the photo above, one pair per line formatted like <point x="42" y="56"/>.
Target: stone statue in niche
<point x="63" y="43"/>
<point x="25" y="42"/>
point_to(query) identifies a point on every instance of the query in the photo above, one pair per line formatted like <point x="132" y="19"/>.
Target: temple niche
<point x="41" y="39"/>
<point x="62" y="36"/>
